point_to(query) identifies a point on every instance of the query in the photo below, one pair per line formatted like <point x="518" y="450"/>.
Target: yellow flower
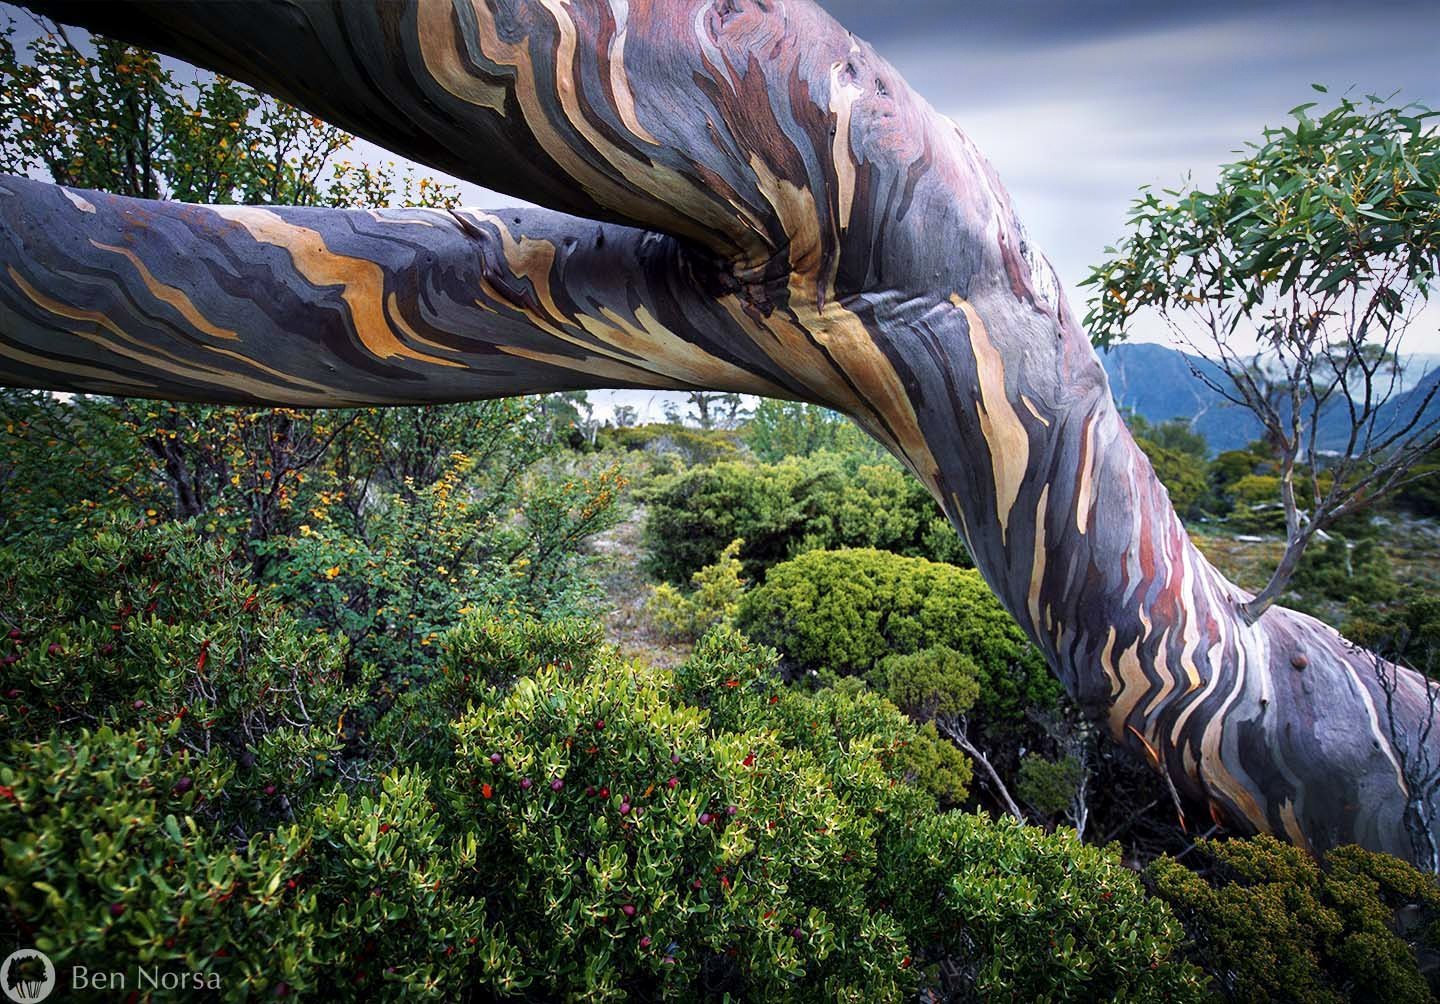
<point x="304" y="529"/>
<point x="332" y="572"/>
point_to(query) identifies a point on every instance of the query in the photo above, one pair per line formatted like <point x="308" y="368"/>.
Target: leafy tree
<point x="1298" y="275"/>
<point x="779" y="429"/>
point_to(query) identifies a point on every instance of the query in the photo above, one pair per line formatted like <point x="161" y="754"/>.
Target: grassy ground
<point x="627" y="626"/>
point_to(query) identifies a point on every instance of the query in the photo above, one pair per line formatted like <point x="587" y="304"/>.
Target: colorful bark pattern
<point x="805" y="226"/>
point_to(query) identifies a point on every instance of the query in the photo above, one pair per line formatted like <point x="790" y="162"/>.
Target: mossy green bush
<point x="786" y="508"/>
<point x="848" y="610"/>
<point x="1274" y="924"/>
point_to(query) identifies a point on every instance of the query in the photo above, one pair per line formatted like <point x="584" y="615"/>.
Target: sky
<point x="1078" y="104"/>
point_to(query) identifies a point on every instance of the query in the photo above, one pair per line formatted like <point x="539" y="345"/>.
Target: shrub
<point x="535" y="845"/>
<point x="847" y="610"/>
<point x="787" y="508"/>
<point x="1342" y="571"/>
<point x="1274" y="924"/>
<point x="130" y="628"/>
<point x="712" y="601"/>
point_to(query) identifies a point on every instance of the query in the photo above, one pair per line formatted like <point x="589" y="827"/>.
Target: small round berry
<point x="525" y="784"/>
<point x="495" y="758"/>
<point x="556" y="784"/>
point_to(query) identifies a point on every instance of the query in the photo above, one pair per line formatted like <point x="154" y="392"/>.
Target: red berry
<point x="672" y="783"/>
<point x="604" y="792"/>
<point x="628" y="910"/>
<point x="599" y="725"/>
<point x="117" y="909"/>
<point x="14" y="634"/>
<point x="54" y="648"/>
<point x="525" y="784"/>
<point x="269" y="789"/>
<point x="385" y="827"/>
<point x="645" y="941"/>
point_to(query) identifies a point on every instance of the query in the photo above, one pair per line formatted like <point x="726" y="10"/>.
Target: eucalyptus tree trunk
<point x="760" y="204"/>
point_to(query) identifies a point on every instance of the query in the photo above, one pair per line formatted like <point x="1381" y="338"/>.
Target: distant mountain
<point x="1158" y="383"/>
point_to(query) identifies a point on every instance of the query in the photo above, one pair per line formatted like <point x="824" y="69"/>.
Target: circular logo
<point x="27" y="976"/>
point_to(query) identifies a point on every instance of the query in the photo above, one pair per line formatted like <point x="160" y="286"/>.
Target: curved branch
<point x="329" y="307"/>
<point x="831" y="238"/>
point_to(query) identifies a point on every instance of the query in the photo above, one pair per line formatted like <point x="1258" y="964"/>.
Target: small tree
<point x="1298" y="274"/>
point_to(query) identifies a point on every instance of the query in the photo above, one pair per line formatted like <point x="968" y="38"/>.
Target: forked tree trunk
<point x="806" y="227"/>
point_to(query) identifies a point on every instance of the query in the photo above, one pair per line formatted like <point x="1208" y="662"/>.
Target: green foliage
<point x="158" y="627"/>
<point x="690" y="446"/>
<point x="933" y="682"/>
<point x="575" y="826"/>
<point x="780" y="429"/>
<point x="1409" y="631"/>
<point x="1048" y="786"/>
<point x="1321" y="207"/>
<point x="1339" y="570"/>
<point x="787" y="508"/>
<point x="847" y="610"/>
<point x="1273" y="924"/>
<point x="1026" y="916"/>
<point x="713" y="600"/>
<point x="1182" y="474"/>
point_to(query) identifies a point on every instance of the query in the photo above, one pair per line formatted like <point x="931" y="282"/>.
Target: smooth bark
<point x="786" y="218"/>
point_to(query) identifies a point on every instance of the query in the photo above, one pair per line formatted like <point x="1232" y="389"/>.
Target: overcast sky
<point x="1078" y="104"/>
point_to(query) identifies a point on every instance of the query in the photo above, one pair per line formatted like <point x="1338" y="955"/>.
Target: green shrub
<point x="848" y="610"/>
<point x="787" y="508"/>
<point x="541" y="849"/>
<point x="1338" y="570"/>
<point x="713" y="600"/>
<point x="1273" y="924"/>
<point x="1048" y="786"/>
<point x="129" y="628"/>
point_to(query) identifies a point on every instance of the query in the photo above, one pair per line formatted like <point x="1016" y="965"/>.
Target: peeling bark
<point x="781" y="216"/>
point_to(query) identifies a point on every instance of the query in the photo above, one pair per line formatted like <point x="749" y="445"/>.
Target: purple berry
<point x="624" y="808"/>
<point x="495" y="758"/>
<point x="589" y="791"/>
<point x="556" y="784"/>
<point x="674" y="757"/>
<point x="270" y="789"/>
<point x="117" y="910"/>
<point x="183" y="785"/>
<point x="628" y="910"/>
<point x="645" y="941"/>
<point x="672" y="783"/>
<point x="704" y="819"/>
<point x="796" y="933"/>
<point x="730" y="810"/>
<point x="525" y="784"/>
